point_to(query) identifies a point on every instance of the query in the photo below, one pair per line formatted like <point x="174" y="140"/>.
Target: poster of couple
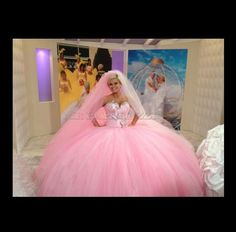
<point x="158" y="77"/>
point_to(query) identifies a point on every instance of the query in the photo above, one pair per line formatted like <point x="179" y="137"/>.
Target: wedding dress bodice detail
<point x="117" y="115"/>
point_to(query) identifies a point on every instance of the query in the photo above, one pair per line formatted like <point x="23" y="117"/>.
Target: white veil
<point x="129" y="91"/>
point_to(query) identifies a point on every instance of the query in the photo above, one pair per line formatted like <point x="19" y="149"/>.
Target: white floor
<point x="28" y="159"/>
<point x="34" y="148"/>
<point x="24" y="164"/>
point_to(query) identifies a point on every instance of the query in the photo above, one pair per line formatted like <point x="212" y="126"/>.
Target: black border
<point x="166" y="204"/>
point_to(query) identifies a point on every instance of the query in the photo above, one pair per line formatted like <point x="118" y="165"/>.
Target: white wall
<point x="21" y="127"/>
<point x="14" y="131"/>
<point x="209" y="98"/>
<point x="44" y="116"/>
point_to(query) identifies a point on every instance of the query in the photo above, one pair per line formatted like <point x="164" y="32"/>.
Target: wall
<point x="21" y="127"/>
<point x="14" y="131"/>
<point x="118" y="60"/>
<point x="44" y="116"/>
<point x="209" y="98"/>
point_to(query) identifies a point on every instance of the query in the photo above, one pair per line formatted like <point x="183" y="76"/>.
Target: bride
<point x="109" y="147"/>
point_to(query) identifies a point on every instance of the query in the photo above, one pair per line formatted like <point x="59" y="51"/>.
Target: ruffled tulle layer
<point x="144" y="160"/>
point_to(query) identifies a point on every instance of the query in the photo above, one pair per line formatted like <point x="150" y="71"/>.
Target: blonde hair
<point x="115" y="76"/>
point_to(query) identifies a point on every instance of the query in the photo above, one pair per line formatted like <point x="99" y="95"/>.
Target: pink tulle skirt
<point x="147" y="159"/>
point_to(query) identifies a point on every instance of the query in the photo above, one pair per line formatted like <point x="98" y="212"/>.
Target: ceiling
<point x="125" y="41"/>
<point x="131" y="43"/>
<point x="120" y="41"/>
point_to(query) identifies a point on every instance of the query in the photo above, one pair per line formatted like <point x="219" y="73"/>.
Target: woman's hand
<point x="134" y="121"/>
<point x="132" y="124"/>
<point x="95" y="123"/>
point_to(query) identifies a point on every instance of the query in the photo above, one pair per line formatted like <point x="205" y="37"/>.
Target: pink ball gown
<point x="147" y="159"/>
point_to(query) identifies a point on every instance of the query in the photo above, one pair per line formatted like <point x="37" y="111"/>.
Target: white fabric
<point x="153" y="102"/>
<point x="211" y="156"/>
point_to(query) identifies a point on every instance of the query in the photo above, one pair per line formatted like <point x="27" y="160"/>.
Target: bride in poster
<point x="160" y="91"/>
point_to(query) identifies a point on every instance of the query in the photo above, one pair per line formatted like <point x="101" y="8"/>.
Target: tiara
<point x="114" y="76"/>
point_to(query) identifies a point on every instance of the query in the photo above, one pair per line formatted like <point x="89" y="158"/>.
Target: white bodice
<point x="117" y="115"/>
